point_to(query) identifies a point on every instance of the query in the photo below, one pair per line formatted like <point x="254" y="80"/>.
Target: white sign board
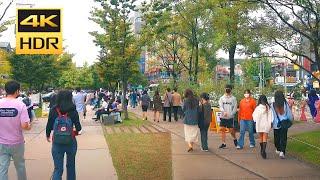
<point x="35" y="98"/>
<point x="218" y="115"/>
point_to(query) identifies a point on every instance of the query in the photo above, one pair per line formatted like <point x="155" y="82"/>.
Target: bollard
<point x="317" y="105"/>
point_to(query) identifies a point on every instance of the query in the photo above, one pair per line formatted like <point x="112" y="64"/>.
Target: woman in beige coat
<point x="263" y="117"/>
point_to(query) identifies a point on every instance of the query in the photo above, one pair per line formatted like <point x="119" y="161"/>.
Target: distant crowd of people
<point x="68" y="109"/>
<point x="259" y="117"/>
<point x="255" y="117"/>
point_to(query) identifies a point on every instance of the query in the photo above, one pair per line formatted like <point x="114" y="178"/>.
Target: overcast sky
<point x="76" y="26"/>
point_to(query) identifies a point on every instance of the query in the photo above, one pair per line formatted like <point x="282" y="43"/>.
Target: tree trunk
<point x="316" y="54"/>
<point x="190" y="65"/>
<point x="124" y="100"/>
<point x="174" y="63"/>
<point x="196" y="64"/>
<point x="232" y="51"/>
<point x="196" y="44"/>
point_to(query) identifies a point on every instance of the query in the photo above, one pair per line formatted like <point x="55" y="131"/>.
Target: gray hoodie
<point x="228" y="104"/>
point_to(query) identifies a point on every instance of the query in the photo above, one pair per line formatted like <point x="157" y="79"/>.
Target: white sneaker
<point x="281" y="155"/>
<point x="204" y="150"/>
<point x="277" y="152"/>
<point x="238" y="147"/>
<point x="252" y="146"/>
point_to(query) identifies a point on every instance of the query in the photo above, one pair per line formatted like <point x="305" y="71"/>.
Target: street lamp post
<point x="261" y="76"/>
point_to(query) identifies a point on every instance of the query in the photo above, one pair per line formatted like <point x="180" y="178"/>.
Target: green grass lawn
<point x="303" y="151"/>
<point x="141" y="156"/>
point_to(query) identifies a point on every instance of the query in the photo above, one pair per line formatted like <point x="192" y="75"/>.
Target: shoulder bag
<point x="286" y="123"/>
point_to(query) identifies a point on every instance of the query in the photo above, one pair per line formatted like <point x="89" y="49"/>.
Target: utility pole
<point x="260" y="77"/>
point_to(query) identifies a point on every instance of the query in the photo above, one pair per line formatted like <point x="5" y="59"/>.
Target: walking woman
<point x="247" y="106"/>
<point x="63" y="117"/>
<point x="263" y="117"/>
<point x="145" y="102"/>
<point x="157" y="106"/>
<point x="281" y="112"/>
<point x="190" y="121"/>
<point x="204" y="120"/>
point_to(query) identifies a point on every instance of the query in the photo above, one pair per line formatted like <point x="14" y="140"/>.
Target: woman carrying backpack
<point x="282" y="120"/>
<point x="63" y="117"/>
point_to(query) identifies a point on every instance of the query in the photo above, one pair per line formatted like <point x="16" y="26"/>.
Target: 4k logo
<point x="39" y="31"/>
<point x="33" y="21"/>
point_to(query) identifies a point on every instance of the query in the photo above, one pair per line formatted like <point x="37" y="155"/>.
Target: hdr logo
<point x="38" y="31"/>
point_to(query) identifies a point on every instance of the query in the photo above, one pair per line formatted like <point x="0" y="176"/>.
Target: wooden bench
<point x="108" y="120"/>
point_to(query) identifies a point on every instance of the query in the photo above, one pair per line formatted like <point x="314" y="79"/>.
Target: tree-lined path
<point x="230" y="163"/>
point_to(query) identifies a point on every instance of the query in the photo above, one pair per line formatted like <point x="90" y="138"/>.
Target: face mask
<point x="228" y="91"/>
<point x="246" y="95"/>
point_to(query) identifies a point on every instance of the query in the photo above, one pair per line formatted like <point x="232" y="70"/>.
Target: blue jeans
<point x="17" y="154"/>
<point x="58" y="152"/>
<point x="246" y="125"/>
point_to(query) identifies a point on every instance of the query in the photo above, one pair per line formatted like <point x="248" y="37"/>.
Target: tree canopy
<point x="39" y="71"/>
<point x="294" y="25"/>
<point x="5" y="67"/>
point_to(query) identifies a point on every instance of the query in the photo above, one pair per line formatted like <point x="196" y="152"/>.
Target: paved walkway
<point x="230" y="163"/>
<point x="93" y="160"/>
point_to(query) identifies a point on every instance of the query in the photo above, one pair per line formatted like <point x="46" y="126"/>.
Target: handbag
<point x="286" y="123"/>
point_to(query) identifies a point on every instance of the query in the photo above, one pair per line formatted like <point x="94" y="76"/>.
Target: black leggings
<point x="280" y="139"/>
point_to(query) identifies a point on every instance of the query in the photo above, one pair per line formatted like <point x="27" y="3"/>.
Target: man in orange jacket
<point x="246" y="108"/>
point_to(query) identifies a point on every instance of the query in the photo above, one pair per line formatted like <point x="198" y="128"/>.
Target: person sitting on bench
<point x="116" y="111"/>
<point x="103" y="110"/>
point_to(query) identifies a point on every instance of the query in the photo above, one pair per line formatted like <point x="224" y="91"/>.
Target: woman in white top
<point x="263" y="117"/>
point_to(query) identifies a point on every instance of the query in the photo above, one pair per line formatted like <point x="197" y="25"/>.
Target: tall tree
<point x="38" y="71"/>
<point x="119" y="48"/>
<point x="232" y="22"/>
<point x="195" y="26"/>
<point x="293" y="25"/>
<point x="182" y="35"/>
<point x="160" y="36"/>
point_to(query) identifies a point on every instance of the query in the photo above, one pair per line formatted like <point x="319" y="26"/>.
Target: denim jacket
<point x="190" y="115"/>
<point x="286" y="115"/>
